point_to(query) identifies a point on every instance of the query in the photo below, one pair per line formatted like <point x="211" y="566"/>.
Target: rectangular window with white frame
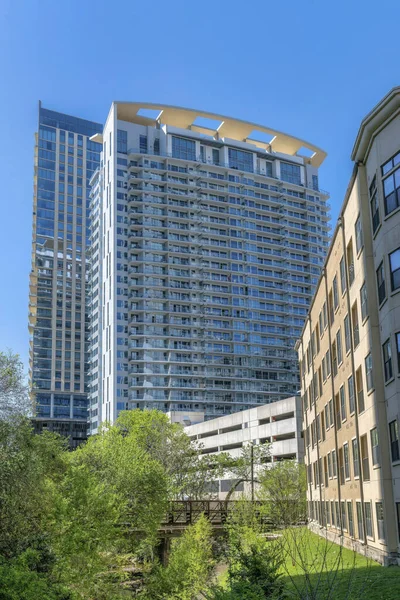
<point x="380" y="520"/>
<point x="368" y="372"/>
<point x="364" y="302"/>
<point x="343" y="283"/>
<point x="375" y="447"/>
<point x="391" y="184"/>
<point x="356" y="459"/>
<point x="374" y="203"/>
<point x="380" y="280"/>
<point x="394" y="263"/>
<point x="351" y="393"/>
<point x="359" y="234"/>
<point x="387" y="360"/>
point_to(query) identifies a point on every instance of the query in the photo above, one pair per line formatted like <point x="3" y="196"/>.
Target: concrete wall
<point x="259" y="425"/>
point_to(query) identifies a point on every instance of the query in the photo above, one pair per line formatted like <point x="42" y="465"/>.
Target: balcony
<point x="275" y="183"/>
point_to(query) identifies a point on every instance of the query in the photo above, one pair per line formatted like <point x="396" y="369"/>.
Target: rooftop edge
<point x="236" y="129"/>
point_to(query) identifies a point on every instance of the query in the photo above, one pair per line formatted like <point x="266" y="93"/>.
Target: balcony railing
<point x="243" y="168"/>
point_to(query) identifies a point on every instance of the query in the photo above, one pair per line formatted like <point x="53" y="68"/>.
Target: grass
<point x="318" y="569"/>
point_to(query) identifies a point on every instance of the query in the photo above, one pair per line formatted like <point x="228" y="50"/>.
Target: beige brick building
<point x="349" y="353"/>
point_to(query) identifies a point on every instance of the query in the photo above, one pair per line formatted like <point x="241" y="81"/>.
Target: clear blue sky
<point x="312" y="68"/>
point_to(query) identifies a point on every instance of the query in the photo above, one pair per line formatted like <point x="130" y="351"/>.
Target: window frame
<point x="350" y="262"/>
<point x="398" y="519"/>
<point x="374" y="206"/>
<point x="343" y="280"/>
<point x="339" y="349"/>
<point x="387" y="360"/>
<point x="335" y="291"/>
<point x="397" y="334"/>
<point x="375" y="452"/>
<point x="395" y="271"/>
<point x="350" y="519"/>
<point x="355" y="325"/>
<point x="334" y="464"/>
<point x="358" y="233"/>
<point x="352" y="396"/>
<point x="185" y="148"/>
<point x="381" y="283"/>
<point x="347" y="334"/>
<point x="391" y="174"/>
<point x="394" y="440"/>
<point x="369" y="520"/>
<point x="241" y="160"/>
<point x="360" y="522"/>
<point x="364" y="301"/>
<point x="342" y="402"/>
<point x="346" y="455"/>
<point x="356" y="457"/>
<point x="369" y="377"/>
<point x="379" y="509"/>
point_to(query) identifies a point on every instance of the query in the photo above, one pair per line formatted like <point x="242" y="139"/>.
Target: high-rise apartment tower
<point x="207" y="239"/>
<point x="65" y="159"/>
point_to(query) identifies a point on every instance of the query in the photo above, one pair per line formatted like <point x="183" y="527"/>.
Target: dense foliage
<point x="283" y="490"/>
<point x="83" y="525"/>
<point x="189" y="567"/>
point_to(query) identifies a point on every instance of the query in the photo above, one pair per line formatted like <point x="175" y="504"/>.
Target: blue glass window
<point x="46" y="133"/>
<point x="183" y="148"/>
<point x="143" y="144"/>
<point x="61" y="400"/>
<point x="268" y="169"/>
<point x="55" y="119"/>
<point x="215" y="156"/>
<point x="61" y="411"/>
<point x="290" y="173"/>
<point x="122" y="141"/>
<point x="241" y="160"/>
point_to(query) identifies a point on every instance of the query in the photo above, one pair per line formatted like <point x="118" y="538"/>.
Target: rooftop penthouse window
<point x="240" y="160"/>
<point x="183" y="148"/>
<point x="290" y="173"/>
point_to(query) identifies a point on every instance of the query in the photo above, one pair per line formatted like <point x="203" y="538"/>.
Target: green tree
<point x="254" y="563"/>
<point x="26" y="462"/>
<point x="53" y="511"/>
<point x="14" y="398"/>
<point x="189" y="568"/>
<point x="23" y="579"/>
<point x="188" y="473"/>
<point x="121" y="457"/>
<point x="283" y="489"/>
<point x="84" y="524"/>
<point x="247" y="466"/>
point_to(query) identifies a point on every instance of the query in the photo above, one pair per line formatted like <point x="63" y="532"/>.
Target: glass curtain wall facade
<point x="65" y="159"/>
<point x="208" y="251"/>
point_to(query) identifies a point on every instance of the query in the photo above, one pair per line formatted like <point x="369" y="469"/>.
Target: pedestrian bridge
<point x="182" y="513"/>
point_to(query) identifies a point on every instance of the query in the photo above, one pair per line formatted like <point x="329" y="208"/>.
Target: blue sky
<point x="312" y="68"/>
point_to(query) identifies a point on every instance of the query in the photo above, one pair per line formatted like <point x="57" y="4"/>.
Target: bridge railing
<point x="186" y="512"/>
